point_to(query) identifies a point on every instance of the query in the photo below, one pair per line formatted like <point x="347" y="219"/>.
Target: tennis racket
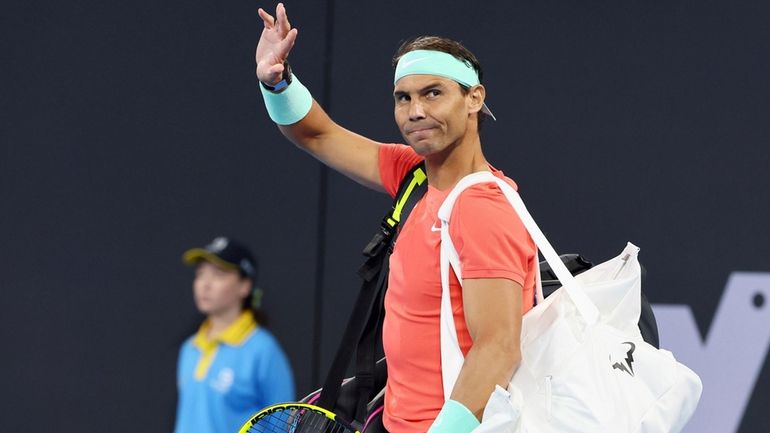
<point x="295" y="418"/>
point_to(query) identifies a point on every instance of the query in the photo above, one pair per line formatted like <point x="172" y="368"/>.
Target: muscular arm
<point x="355" y="156"/>
<point x="493" y="314"/>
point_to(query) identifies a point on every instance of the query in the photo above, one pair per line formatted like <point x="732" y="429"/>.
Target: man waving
<point x="438" y="107"/>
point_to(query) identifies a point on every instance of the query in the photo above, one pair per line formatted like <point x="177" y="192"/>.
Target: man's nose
<point x="416" y="110"/>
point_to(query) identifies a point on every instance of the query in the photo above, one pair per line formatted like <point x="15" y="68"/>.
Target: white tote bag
<point x="585" y="367"/>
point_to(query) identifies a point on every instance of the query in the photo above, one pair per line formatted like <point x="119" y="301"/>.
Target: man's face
<point x="431" y="112"/>
<point x="217" y="290"/>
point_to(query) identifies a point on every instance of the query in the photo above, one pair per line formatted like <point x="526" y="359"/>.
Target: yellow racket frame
<point x="282" y="406"/>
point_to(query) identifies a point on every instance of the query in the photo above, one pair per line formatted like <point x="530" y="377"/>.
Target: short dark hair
<point x="446" y="45"/>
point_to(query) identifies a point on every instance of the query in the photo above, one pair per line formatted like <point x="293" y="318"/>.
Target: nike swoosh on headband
<point x="406" y="64"/>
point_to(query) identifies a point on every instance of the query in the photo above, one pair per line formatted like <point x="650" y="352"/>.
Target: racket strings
<point x="297" y="420"/>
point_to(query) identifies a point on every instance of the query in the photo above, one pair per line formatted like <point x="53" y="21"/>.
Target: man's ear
<point x="476" y="96"/>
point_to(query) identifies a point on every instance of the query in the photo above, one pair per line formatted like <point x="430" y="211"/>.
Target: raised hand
<point x="274" y="45"/>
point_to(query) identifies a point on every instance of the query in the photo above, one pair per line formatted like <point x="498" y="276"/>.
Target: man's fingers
<point x="282" y="19"/>
<point x="288" y="42"/>
<point x="267" y="19"/>
<point x="269" y="72"/>
<point x="287" y="25"/>
<point x="276" y="69"/>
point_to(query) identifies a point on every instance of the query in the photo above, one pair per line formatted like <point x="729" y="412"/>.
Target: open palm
<point x="274" y="45"/>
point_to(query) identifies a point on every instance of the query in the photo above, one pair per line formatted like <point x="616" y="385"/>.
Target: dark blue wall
<point x="130" y="131"/>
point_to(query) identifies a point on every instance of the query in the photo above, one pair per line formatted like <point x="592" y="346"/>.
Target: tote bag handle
<point x="582" y="302"/>
<point x="451" y="356"/>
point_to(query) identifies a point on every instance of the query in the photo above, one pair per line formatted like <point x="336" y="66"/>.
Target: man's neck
<point x="445" y="169"/>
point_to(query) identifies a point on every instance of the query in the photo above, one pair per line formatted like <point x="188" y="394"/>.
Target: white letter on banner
<point x="731" y="357"/>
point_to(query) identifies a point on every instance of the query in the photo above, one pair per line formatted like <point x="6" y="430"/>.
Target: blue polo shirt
<point x="224" y="381"/>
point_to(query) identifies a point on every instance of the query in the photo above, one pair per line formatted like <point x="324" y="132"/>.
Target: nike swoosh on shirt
<point x="433" y="228"/>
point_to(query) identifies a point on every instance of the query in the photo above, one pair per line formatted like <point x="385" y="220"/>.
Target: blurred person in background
<point x="233" y="366"/>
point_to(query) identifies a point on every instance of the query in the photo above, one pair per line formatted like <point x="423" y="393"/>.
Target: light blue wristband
<point x="291" y="105"/>
<point x="454" y="418"/>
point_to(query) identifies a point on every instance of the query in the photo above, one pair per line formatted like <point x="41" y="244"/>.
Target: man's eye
<point x="402" y="98"/>
<point x="433" y="93"/>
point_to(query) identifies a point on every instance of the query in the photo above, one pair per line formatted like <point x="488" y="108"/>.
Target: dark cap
<point x="226" y="253"/>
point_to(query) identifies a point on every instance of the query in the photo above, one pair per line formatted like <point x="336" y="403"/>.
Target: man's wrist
<point x="454" y="418"/>
<point x="290" y="105"/>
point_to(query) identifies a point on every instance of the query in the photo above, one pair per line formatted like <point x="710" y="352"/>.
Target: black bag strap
<point x="366" y="318"/>
<point x="366" y="353"/>
<point x="410" y="191"/>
